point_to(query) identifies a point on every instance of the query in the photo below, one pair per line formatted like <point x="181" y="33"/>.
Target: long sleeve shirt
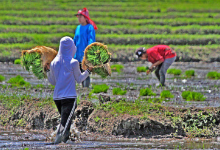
<point x="159" y="52"/>
<point x="65" y="72"/>
<point x="84" y="35"/>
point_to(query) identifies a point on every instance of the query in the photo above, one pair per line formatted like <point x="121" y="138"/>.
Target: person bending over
<point x="161" y="57"/>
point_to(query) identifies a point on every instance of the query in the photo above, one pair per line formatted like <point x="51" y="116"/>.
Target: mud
<point x="122" y="130"/>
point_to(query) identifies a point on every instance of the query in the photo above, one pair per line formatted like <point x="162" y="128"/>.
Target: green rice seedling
<point x="141" y="69"/>
<point x="213" y="75"/>
<point x="174" y="71"/>
<point x="193" y="96"/>
<point x="18" y="81"/>
<point x="100" y="88"/>
<point x="101" y="71"/>
<point x="118" y="91"/>
<point x="39" y="86"/>
<point x="2" y="78"/>
<point x="17" y="61"/>
<point x="117" y="68"/>
<point x="147" y="92"/>
<point x="32" y="62"/>
<point x="97" y="56"/>
<point x="189" y="73"/>
<point x="166" y="94"/>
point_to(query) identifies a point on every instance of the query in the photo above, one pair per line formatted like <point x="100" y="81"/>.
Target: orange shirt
<point x="159" y="52"/>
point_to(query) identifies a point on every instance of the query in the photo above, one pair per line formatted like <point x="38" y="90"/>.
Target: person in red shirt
<point x="161" y="57"/>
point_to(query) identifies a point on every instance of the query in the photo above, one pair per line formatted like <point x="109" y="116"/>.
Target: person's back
<point x="66" y="70"/>
<point x="63" y="72"/>
<point x="160" y="52"/>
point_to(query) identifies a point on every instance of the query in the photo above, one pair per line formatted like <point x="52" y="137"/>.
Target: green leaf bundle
<point x="32" y="62"/>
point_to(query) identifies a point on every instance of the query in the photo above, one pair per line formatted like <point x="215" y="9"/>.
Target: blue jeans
<point x="161" y="70"/>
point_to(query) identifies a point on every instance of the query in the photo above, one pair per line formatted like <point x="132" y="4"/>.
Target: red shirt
<point x="159" y="52"/>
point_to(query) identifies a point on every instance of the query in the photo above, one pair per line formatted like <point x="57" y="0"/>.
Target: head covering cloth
<point x="85" y="13"/>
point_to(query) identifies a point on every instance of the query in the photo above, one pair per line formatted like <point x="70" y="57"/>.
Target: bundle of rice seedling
<point x="35" y="60"/>
<point x="96" y="55"/>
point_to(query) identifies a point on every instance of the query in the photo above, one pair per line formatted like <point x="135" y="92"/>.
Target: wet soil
<point x="121" y="131"/>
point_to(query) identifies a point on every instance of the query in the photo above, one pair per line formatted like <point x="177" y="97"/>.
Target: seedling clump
<point x="193" y="96"/>
<point x="118" y="91"/>
<point x="174" y="71"/>
<point x="117" y="68"/>
<point x="166" y="94"/>
<point x="17" y="61"/>
<point x="189" y="73"/>
<point x="32" y="62"/>
<point x="147" y="92"/>
<point x="141" y="69"/>
<point x="213" y="75"/>
<point x="2" y="78"/>
<point x="98" y="57"/>
<point x="18" y="81"/>
<point x="100" y="88"/>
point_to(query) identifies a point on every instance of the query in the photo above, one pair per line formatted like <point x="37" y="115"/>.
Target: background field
<point x="191" y="27"/>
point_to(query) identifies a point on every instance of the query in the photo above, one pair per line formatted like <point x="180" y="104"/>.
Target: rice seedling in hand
<point x="98" y="57"/>
<point x="35" y="60"/>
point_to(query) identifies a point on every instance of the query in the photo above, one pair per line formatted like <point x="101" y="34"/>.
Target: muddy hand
<point x="148" y="72"/>
<point x="47" y="67"/>
<point x="90" y="69"/>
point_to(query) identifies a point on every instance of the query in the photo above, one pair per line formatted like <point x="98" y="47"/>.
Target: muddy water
<point x="132" y="81"/>
<point x="37" y="140"/>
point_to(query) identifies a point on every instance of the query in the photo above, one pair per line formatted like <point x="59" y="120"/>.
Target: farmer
<point x="161" y="57"/>
<point x="84" y="35"/>
<point x="63" y="72"/>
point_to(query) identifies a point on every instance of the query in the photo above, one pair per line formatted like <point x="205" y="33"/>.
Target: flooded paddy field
<point x="132" y="81"/>
<point x="22" y="139"/>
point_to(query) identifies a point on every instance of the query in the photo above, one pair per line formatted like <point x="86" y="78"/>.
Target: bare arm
<point x="156" y="64"/>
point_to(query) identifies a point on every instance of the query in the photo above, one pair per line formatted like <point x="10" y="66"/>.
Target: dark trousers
<point x="64" y="107"/>
<point x="86" y="82"/>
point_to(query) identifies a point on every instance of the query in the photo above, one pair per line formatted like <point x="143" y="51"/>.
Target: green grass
<point x="190" y="27"/>
<point x="147" y="92"/>
<point x="117" y="68"/>
<point x="193" y="96"/>
<point x="18" y="81"/>
<point x="118" y="91"/>
<point x="139" y="107"/>
<point x="2" y="78"/>
<point x="17" y="61"/>
<point x="174" y="71"/>
<point x="213" y="75"/>
<point x="166" y="94"/>
<point x="189" y="73"/>
<point x="100" y="88"/>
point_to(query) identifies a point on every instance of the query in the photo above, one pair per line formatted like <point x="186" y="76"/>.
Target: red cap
<point x="85" y="13"/>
